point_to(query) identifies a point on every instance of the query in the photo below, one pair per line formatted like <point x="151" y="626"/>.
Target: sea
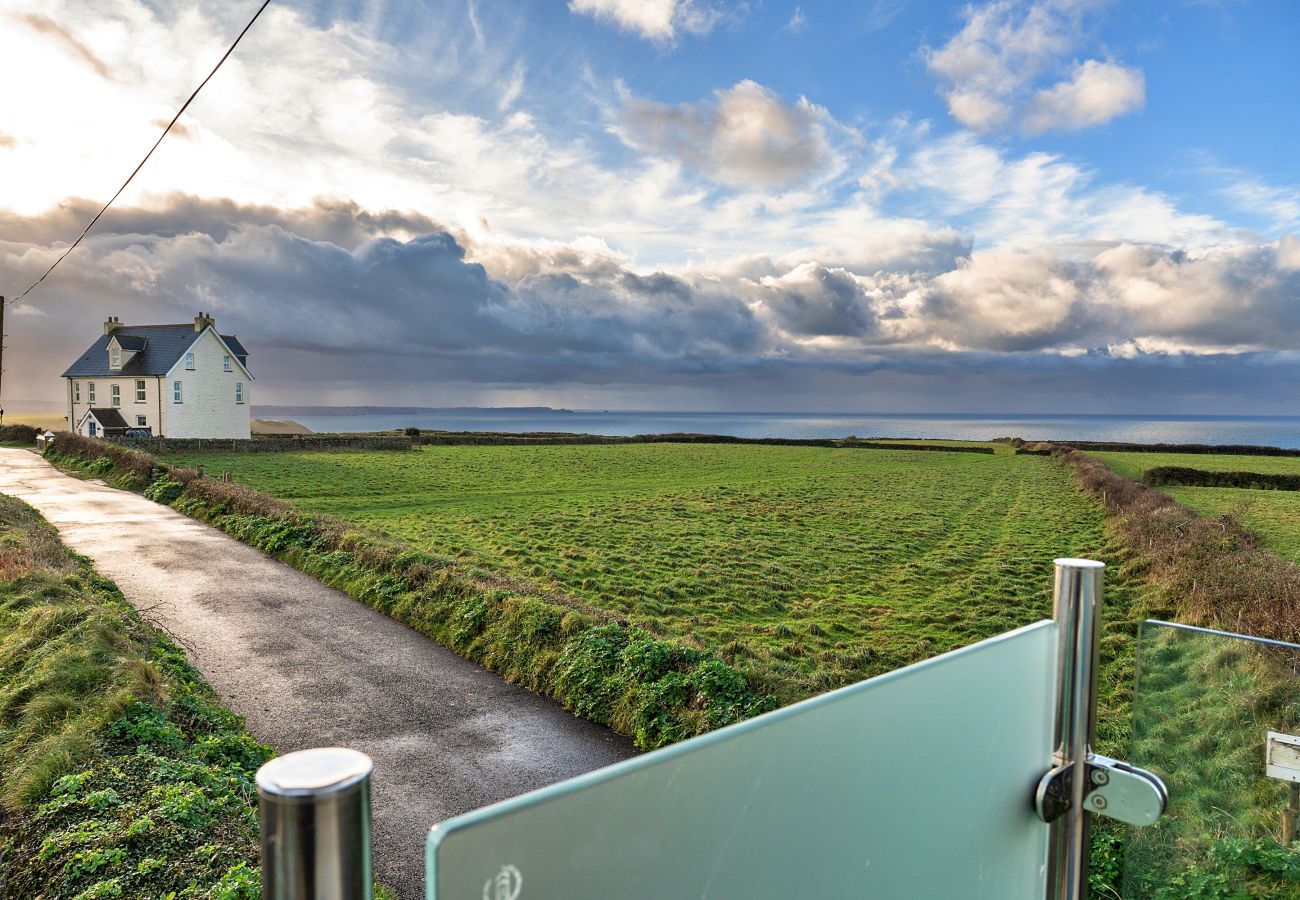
<point x="1274" y="431"/>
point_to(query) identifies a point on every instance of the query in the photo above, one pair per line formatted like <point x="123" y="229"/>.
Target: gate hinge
<point x="1115" y="789"/>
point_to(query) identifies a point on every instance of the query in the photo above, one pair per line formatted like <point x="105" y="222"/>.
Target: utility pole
<point x="2" y="358"/>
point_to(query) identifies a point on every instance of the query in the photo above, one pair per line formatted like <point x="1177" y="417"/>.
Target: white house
<point x="174" y="380"/>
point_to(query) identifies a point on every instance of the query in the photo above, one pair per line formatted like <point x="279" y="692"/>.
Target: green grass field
<point x="1274" y="515"/>
<point x="811" y="566"/>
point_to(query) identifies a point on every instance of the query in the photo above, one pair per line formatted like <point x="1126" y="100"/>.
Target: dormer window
<point x="189" y="361"/>
<point x="114" y="357"/>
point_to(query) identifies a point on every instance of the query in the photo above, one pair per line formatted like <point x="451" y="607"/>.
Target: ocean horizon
<point x="1273" y="431"/>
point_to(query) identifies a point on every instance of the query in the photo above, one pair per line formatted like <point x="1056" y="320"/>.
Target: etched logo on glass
<point x="504" y="886"/>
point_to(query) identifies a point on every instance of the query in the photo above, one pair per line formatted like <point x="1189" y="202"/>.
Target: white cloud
<point x="798" y="21"/>
<point x="656" y="20"/>
<point x="978" y="110"/>
<point x="1002" y="300"/>
<point x="1288" y="254"/>
<point x="1095" y="94"/>
<point x="1278" y="206"/>
<point x="1043" y="198"/>
<point x="992" y="70"/>
<point x="745" y="137"/>
<point x="514" y="87"/>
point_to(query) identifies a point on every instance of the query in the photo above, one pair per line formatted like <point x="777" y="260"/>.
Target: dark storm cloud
<point x="387" y="304"/>
<point x="417" y="303"/>
<point x="340" y="222"/>
<point x="813" y="300"/>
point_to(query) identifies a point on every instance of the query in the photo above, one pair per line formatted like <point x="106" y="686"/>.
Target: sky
<point x="1013" y="206"/>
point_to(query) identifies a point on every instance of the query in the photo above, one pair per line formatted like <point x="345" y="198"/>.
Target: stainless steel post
<point x="1078" y="614"/>
<point x="314" y="807"/>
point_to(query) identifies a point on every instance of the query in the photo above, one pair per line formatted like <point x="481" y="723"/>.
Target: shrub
<point x="24" y="434"/>
<point x="1183" y="475"/>
<point x="165" y="490"/>
<point x="1219" y="449"/>
<point x="132" y="468"/>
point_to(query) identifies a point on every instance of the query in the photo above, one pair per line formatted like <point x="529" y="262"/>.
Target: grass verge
<point x="1211" y="571"/>
<point x="122" y="776"/>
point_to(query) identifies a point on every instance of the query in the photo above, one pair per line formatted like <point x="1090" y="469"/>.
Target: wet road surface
<point x="307" y="666"/>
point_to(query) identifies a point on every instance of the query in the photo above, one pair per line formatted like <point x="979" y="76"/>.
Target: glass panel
<point x="917" y="783"/>
<point x="1205" y="704"/>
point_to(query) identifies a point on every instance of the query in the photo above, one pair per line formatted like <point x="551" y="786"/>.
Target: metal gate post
<point x="1077" y="612"/>
<point x="314" y="807"/>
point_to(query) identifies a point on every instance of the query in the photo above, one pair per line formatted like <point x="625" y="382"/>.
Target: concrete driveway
<point x="308" y="666"/>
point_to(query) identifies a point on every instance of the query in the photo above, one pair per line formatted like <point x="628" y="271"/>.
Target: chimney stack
<point x="113" y="324"/>
<point x="202" y="321"/>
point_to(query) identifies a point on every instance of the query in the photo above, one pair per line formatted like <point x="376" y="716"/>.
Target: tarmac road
<point x="307" y="666"/>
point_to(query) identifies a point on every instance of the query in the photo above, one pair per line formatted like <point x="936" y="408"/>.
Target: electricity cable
<point x="175" y="118"/>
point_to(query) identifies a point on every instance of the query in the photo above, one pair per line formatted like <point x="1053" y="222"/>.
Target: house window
<point x="90" y="393"/>
<point x="225" y="363"/>
<point x="141" y="422"/>
<point x="189" y="361"/>
<point x="176" y="392"/>
<point x="239" y="392"/>
<point x="76" y="392"/>
<point x="114" y="358"/>
<point x="90" y="427"/>
<point x="115" y="394"/>
<point x="139" y="390"/>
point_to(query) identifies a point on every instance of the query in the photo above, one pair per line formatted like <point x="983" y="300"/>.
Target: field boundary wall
<point x="280" y="444"/>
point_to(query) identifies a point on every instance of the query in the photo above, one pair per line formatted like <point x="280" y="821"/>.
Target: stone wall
<point x="267" y="443"/>
<point x="492" y="438"/>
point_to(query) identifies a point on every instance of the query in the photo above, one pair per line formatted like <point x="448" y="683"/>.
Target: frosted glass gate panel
<point x="1217" y="716"/>
<point x="915" y="784"/>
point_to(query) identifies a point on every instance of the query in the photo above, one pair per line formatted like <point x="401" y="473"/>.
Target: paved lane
<point x="308" y="666"/>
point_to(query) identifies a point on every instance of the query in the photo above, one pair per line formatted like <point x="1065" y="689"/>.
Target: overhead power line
<point x="175" y="118"/>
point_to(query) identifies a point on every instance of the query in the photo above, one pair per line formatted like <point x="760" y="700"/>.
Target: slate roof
<point x="108" y="417"/>
<point x="162" y="346"/>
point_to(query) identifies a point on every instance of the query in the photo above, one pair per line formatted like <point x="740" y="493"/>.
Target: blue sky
<point x="1006" y="205"/>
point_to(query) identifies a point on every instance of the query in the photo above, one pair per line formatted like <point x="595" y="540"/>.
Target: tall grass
<point x="120" y="775"/>
<point x="72" y="657"/>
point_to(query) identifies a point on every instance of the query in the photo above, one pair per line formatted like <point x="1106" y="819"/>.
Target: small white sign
<point x="1282" y="756"/>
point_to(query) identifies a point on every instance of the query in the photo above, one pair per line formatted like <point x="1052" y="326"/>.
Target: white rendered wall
<point x="207" y="408"/>
<point x="129" y="409"/>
